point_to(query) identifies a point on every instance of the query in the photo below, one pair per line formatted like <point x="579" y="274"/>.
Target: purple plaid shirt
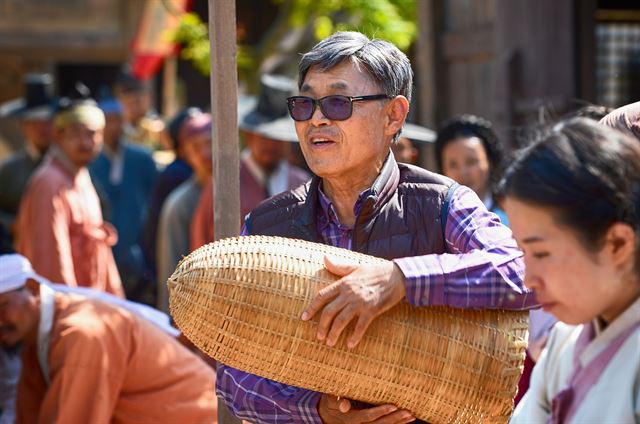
<point x="484" y="269"/>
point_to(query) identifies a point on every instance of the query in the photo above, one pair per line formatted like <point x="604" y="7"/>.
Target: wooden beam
<point x="224" y="109"/>
<point x="226" y="165"/>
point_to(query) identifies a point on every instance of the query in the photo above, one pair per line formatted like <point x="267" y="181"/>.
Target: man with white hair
<point x="89" y="357"/>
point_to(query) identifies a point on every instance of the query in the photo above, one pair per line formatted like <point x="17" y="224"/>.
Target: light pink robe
<point x="61" y="231"/>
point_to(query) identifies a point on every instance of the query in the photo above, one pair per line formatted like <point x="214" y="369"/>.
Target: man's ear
<point x="620" y="244"/>
<point x="396" y="113"/>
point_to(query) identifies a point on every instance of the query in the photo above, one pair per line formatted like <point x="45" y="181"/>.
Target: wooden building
<point x="520" y="62"/>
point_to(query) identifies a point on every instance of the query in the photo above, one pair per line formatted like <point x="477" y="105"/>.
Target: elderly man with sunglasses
<point x="447" y="249"/>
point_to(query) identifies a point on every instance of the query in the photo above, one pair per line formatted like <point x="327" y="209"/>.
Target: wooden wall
<point x="505" y="60"/>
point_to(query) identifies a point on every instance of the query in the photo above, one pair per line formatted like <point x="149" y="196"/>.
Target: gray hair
<point x="385" y="63"/>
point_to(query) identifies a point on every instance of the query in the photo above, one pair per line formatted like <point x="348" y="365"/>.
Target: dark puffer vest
<point x="401" y="216"/>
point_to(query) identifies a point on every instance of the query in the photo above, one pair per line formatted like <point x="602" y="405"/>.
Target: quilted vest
<point x="403" y="215"/>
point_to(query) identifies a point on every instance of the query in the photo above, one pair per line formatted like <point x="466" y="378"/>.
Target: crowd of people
<point x="93" y="221"/>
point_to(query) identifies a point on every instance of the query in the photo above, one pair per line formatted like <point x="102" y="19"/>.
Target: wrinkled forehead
<point x="346" y="75"/>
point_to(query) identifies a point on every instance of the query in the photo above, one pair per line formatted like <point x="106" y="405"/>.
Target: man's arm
<point x="87" y="372"/>
<point x="260" y="400"/>
<point x="45" y="236"/>
<point x="484" y="270"/>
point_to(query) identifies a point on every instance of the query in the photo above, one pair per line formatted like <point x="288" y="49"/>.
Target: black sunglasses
<point x="335" y="107"/>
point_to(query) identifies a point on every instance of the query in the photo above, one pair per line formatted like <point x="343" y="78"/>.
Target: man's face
<point x="350" y="150"/>
<point x="197" y="150"/>
<point x="266" y="152"/>
<point x="135" y="105"/>
<point x="80" y="143"/>
<point x="39" y="132"/>
<point x="112" y="129"/>
<point x="18" y="316"/>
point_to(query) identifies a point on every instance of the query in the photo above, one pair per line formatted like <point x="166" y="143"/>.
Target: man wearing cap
<point x="35" y="113"/>
<point x="126" y="173"/>
<point x="91" y="358"/>
<point x="60" y="226"/>
<point x="445" y="247"/>
<point x="177" y="211"/>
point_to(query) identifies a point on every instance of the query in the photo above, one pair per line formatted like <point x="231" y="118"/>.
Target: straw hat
<point x="269" y="116"/>
<point x="240" y="301"/>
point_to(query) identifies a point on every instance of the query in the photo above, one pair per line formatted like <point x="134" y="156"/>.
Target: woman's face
<point x="465" y="160"/>
<point x="572" y="283"/>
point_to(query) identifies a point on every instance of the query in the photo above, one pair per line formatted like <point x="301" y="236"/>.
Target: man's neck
<point x="344" y="195"/>
<point x="31" y="337"/>
<point x="64" y="160"/>
<point x="112" y="147"/>
<point x="345" y="190"/>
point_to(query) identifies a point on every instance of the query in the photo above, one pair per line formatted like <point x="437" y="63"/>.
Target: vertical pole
<point x="226" y="165"/>
<point x="426" y="71"/>
<point x="224" y="99"/>
<point x="169" y="103"/>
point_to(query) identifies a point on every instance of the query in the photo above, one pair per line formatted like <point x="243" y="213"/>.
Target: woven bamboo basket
<point x="240" y="301"/>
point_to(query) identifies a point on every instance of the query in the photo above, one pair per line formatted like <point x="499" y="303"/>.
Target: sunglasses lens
<point x="337" y="108"/>
<point x="301" y="108"/>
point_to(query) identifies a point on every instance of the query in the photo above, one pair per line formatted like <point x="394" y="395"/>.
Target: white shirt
<point x="615" y="398"/>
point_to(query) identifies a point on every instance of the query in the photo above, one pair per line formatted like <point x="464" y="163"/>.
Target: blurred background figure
<point x="177" y="172"/>
<point x="469" y="152"/>
<point x="60" y="227"/>
<point x="269" y="134"/>
<point x="405" y="149"/>
<point x="34" y="112"/>
<point x="126" y="174"/>
<point x="267" y="131"/>
<point x="178" y="209"/>
<point x="141" y="123"/>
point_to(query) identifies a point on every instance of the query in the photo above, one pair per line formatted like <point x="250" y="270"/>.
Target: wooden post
<point x="226" y="165"/>
<point x="169" y="103"/>
<point x="425" y="67"/>
<point x="224" y="100"/>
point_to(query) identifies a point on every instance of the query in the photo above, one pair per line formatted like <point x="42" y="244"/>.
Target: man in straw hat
<point x="354" y="98"/>
<point x="268" y="131"/>
<point x="34" y="111"/>
<point x="60" y="226"/>
<point x="88" y="357"/>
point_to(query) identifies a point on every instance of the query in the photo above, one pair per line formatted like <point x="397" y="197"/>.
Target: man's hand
<point x="363" y="293"/>
<point x="334" y="410"/>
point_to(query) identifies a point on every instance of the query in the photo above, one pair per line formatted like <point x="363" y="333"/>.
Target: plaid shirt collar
<point x="327" y="215"/>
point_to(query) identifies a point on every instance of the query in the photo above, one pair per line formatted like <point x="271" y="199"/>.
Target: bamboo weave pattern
<point x="240" y="301"/>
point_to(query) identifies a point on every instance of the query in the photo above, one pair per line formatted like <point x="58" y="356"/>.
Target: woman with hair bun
<point x="573" y="201"/>
<point x="469" y="152"/>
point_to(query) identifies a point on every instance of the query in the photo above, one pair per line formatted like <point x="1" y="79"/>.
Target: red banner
<point x="152" y="42"/>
